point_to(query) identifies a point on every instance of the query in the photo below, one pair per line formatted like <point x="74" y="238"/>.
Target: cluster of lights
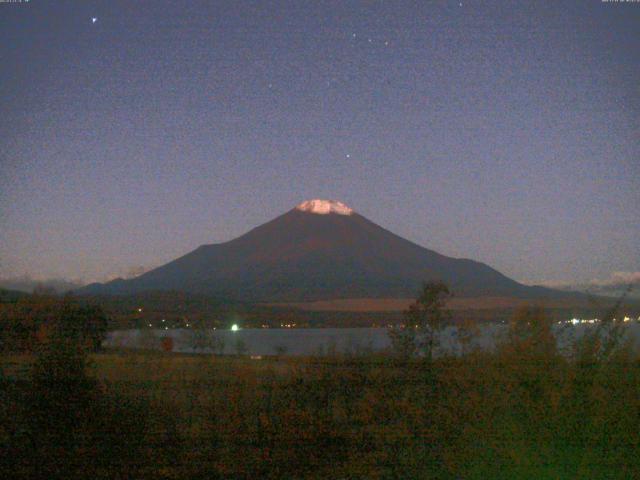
<point x="578" y="321"/>
<point x="287" y="325"/>
<point x="627" y="319"/>
<point x="163" y="321"/>
<point x="187" y="324"/>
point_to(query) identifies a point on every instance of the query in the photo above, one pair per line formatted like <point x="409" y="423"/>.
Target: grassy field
<point x="455" y="304"/>
<point x="519" y="413"/>
<point x="401" y="304"/>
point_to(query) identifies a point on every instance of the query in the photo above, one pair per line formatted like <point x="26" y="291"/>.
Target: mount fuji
<point x="319" y="250"/>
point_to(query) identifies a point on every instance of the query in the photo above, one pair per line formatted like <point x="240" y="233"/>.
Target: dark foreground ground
<point x="522" y="412"/>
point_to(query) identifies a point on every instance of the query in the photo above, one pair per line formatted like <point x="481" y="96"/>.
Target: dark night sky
<point x="506" y="132"/>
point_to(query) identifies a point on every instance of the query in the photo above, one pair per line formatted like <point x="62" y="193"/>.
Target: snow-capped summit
<point x="323" y="207"/>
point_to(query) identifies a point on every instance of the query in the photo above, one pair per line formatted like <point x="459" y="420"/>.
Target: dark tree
<point x="422" y="321"/>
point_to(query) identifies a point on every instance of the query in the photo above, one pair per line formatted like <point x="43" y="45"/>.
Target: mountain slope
<point x="318" y="251"/>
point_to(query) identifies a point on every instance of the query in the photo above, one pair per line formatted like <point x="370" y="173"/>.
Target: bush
<point x="32" y="321"/>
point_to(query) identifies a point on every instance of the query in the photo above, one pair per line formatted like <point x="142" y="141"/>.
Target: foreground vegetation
<point x="168" y="416"/>
<point x="523" y="411"/>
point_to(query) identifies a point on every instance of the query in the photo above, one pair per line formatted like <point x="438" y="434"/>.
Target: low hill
<point x="9" y="296"/>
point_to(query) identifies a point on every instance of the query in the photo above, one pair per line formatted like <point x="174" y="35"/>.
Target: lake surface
<point x="319" y="341"/>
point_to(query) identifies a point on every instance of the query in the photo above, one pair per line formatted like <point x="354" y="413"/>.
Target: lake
<point x="320" y="341"/>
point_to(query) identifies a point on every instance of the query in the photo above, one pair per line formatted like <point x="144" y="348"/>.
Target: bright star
<point x="94" y="19"/>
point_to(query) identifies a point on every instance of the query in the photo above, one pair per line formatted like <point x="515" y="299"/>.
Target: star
<point x="94" y="19"/>
<point x="348" y="155"/>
